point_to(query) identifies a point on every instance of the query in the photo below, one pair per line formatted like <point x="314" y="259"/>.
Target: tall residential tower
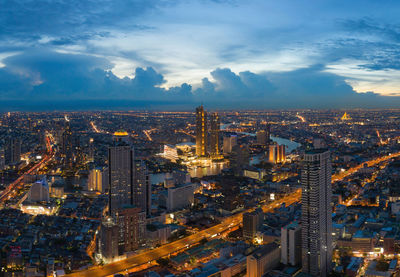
<point x="201" y="132"/>
<point x="316" y="218"/>
<point x="214" y="135"/>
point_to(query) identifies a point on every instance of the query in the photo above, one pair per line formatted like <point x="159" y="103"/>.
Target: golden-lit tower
<point x="201" y="131"/>
<point x="214" y="135"/>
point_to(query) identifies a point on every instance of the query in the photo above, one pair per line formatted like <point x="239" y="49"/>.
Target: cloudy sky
<point x="233" y="53"/>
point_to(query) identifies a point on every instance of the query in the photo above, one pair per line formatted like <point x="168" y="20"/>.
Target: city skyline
<point x="176" y="54"/>
<point x="199" y="138"/>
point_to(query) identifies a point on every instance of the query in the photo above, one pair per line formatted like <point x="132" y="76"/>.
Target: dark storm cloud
<point x="39" y="75"/>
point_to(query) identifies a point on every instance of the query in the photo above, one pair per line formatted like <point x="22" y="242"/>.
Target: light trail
<point x="186" y="133"/>
<point x="301" y="118"/>
<point x="7" y="193"/>
<point x="94" y="127"/>
<point x="147" y="133"/>
<point x="178" y="245"/>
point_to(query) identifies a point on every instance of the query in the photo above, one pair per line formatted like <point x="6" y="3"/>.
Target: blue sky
<point x="254" y="53"/>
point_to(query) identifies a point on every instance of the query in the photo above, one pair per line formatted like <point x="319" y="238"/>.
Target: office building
<point x="291" y="244"/>
<point x="108" y="240"/>
<point x="316" y="216"/>
<point x="180" y="197"/>
<point x="261" y="137"/>
<point x="239" y="158"/>
<point x="214" y="135"/>
<point x="2" y="159"/>
<point x="228" y="143"/>
<point x="121" y="169"/>
<point x="252" y="223"/>
<point x="201" y="132"/>
<point x="268" y="133"/>
<point x="67" y="145"/>
<point x="12" y="153"/>
<point x="142" y="187"/>
<point x="263" y="260"/>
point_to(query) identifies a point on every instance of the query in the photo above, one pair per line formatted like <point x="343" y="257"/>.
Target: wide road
<point x="8" y="192"/>
<point x="229" y="222"/>
<point x="11" y="188"/>
<point x="175" y="246"/>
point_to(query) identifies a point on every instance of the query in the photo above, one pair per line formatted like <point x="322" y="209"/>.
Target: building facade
<point x="228" y="143"/>
<point x="252" y="223"/>
<point x="291" y="244"/>
<point x="316" y="216"/>
<point x="142" y="187"/>
<point x="98" y="180"/>
<point x="201" y="132"/>
<point x="121" y="172"/>
<point x="263" y="260"/>
<point x="214" y="135"/>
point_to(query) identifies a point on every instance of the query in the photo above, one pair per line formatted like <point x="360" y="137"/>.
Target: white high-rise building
<point x="316" y="216"/>
<point x="291" y="244"/>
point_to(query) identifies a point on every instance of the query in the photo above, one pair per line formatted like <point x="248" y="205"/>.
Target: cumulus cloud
<point x="44" y="75"/>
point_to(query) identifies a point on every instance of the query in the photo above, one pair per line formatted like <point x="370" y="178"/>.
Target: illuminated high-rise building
<point x="67" y="148"/>
<point x="214" y="134"/>
<point x="263" y="135"/>
<point x="276" y="153"/>
<point x="142" y="187"/>
<point x="98" y="179"/>
<point x="316" y="218"/>
<point x="2" y="159"/>
<point x="121" y="169"/>
<point x="201" y="132"/>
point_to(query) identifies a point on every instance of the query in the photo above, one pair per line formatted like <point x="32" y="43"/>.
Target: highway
<point x="11" y="188"/>
<point x="8" y="192"/>
<point x="212" y="232"/>
<point x="175" y="246"/>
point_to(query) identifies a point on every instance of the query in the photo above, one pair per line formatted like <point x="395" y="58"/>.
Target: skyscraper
<point x="268" y="133"/>
<point x="142" y="187"/>
<point x="13" y="151"/>
<point x="2" y="159"/>
<point x="228" y="143"/>
<point x="108" y="240"/>
<point x="67" y="145"/>
<point x="316" y="218"/>
<point x="201" y="132"/>
<point x="121" y="172"/>
<point x="261" y="137"/>
<point x="214" y="136"/>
